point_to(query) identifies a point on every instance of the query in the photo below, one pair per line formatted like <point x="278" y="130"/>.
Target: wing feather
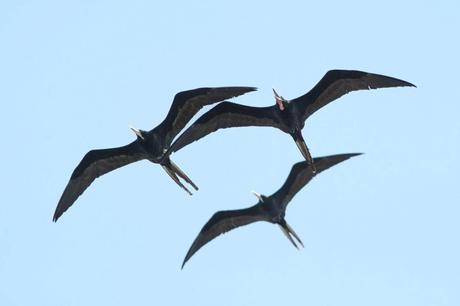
<point x="222" y="222"/>
<point x="187" y="103"/>
<point x="225" y="115"/>
<point x="94" y="164"/>
<point x="336" y="83"/>
<point x="301" y="173"/>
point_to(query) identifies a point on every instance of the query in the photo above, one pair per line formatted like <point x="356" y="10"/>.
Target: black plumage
<point x="287" y="115"/>
<point x="151" y="145"/>
<point x="271" y="209"/>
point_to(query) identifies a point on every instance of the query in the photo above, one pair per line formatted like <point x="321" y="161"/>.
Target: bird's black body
<point x="151" y="145"/>
<point x="271" y="209"/>
<point x="287" y="115"/>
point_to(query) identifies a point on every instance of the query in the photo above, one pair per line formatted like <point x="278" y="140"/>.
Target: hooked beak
<point x="279" y="100"/>
<point x="300" y="142"/>
<point x="258" y="196"/>
<point x="137" y="132"/>
<point x="288" y="231"/>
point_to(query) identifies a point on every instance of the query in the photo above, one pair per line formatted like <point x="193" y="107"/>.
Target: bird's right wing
<point x="94" y="164"/>
<point x="301" y="173"/>
<point x="222" y="222"/>
<point x="225" y="115"/>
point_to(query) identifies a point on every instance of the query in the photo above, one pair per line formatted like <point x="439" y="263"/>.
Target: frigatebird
<point x="151" y="145"/>
<point x="287" y="115"/>
<point x="271" y="209"/>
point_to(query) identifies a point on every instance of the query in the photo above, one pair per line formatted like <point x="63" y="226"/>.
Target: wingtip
<point x="56" y="217"/>
<point x="183" y="263"/>
<point x="58" y="213"/>
<point x="409" y="84"/>
<point x="349" y="155"/>
<point x="402" y="83"/>
<point x="247" y="89"/>
<point x="324" y="162"/>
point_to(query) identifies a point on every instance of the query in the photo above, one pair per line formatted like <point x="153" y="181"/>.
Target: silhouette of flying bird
<point x="287" y="115"/>
<point x="271" y="209"/>
<point x="151" y="145"/>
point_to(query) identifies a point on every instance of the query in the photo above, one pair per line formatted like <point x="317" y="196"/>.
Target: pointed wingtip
<point x="246" y="89"/>
<point x="184" y="262"/>
<point x="325" y="162"/>
<point x="409" y="84"/>
<point x="343" y="157"/>
<point x="56" y="217"/>
<point x="406" y="83"/>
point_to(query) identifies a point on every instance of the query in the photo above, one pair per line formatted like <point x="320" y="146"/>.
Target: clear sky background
<point x="379" y="229"/>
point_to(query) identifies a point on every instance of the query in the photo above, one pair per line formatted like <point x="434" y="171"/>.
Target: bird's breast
<point x="274" y="213"/>
<point x="153" y="148"/>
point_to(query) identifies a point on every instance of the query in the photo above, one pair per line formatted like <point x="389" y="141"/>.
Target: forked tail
<point x="175" y="172"/>
<point x="288" y="231"/>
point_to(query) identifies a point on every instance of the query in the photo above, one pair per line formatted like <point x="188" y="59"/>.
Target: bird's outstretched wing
<point x="187" y="103"/>
<point x="225" y="115"/>
<point x="301" y="173"/>
<point x="94" y="164"/>
<point x="336" y="83"/>
<point x="222" y="222"/>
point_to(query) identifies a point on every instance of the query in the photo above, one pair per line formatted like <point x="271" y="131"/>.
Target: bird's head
<point x="280" y="101"/>
<point x="260" y="197"/>
<point x="139" y="133"/>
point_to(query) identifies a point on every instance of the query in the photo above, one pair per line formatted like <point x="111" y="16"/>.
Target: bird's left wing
<point x="336" y="83"/>
<point x="222" y="222"/>
<point x="94" y="164"/>
<point x="187" y="103"/>
<point x="302" y="173"/>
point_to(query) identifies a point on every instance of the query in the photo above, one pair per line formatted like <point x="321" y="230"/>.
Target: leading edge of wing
<point x="222" y="222"/>
<point x="301" y="173"/>
<point x="187" y="103"/>
<point x="94" y="164"/>
<point x="336" y="83"/>
<point x="225" y="115"/>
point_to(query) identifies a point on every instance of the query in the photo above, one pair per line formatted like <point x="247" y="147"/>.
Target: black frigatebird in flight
<point x="271" y="209"/>
<point x="151" y="145"/>
<point x="287" y="115"/>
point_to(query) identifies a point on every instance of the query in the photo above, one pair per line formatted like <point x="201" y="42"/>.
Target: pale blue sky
<point x="380" y="229"/>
